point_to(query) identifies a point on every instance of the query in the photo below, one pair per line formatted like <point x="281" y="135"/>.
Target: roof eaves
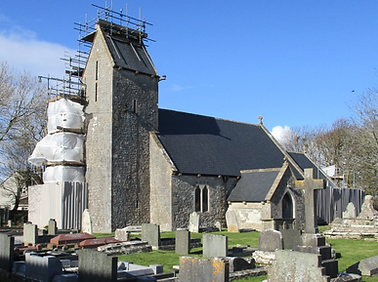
<point x="277" y="181"/>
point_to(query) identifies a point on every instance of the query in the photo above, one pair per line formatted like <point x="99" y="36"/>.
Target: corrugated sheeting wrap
<point x="332" y="202"/>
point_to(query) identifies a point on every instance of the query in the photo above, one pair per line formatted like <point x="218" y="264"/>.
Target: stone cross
<point x="309" y="184"/>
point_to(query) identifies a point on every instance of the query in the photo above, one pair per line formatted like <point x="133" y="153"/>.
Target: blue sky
<point x="296" y="63"/>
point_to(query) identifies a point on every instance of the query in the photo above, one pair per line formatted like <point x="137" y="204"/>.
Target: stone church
<point x="151" y="165"/>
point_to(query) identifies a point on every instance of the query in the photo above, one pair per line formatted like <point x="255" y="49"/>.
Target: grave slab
<point x="270" y="240"/>
<point x="43" y="267"/>
<point x="366" y="267"/>
<point x="232" y="221"/>
<point x="215" y="245"/>
<point x="194" y="224"/>
<point x="122" y="234"/>
<point x="182" y="242"/>
<point x="65" y="239"/>
<point x="30" y="234"/>
<point x="86" y="222"/>
<point x="151" y="234"/>
<point x="52" y="227"/>
<point x="194" y="269"/>
<point x="94" y="243"/>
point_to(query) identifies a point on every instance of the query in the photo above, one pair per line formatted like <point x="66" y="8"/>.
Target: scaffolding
<point x="72" y="86"/>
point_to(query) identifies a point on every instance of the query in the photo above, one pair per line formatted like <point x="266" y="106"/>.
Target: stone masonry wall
<point x="183" y="199"/>
<point x="161" y="186"/>
<point x="134" y="116"/>
<point x="99" y="135"/>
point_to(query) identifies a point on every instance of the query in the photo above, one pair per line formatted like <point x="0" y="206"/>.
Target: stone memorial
<point x="86" y="222"/>
<point x="42" y="267"/>
<point x="194" y="222"/>
<point x="67" y="239"/>
<point x="366" y="267"/>
<point x="6" y="252"/>
<point x="94" y="243"/>
<point x="232" y="221"/>
<point x="52" y="227"/>
<point x="215" y="245"/>
<point x="96" y="266"/>
<point x="204" y="270"/>
<point x="30" y="234"/>
<point x="182" y="242"/>
<point x="350" y="211"/>
<point x="296" y="266"/>
<point x="151" y="234"/>
<point x="122" y="234"/>
<point x="270" y="240"/>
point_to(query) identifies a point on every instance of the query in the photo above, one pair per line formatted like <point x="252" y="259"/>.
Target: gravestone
<point x="52" y="227"/>
<point x="367" y="209"/>
<point x="215" y="245"/>
<point x="42" y="267"/>
<point x="232" y="221"/>
<point x="122" y="234"/>
<point x="270" y="240"/>
<point x="182" y="243"/>
<point x="366" y="267"/>
<point x="66" y="239"/>
<point x="151" y="234"/>
<point x="30" y="234"/>
<point x="291" y="238"/>
<point x="86" y="222"/>
<point x="350" y="211"/>
<point x="96" y="266"/>
<point x="204" y="270"/>
<point x="94" y="243"/>
<point x="194" y="222"/>
<point x="6" y="252"/>
<point x="218" y="225"/>
<point x="296" y="266"/>
<point x="309" y="184"/>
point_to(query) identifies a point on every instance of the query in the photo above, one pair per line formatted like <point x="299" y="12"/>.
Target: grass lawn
<point x="349" y="250"/>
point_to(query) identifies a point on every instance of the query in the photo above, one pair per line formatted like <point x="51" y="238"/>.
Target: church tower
<point x="122" y="96"/>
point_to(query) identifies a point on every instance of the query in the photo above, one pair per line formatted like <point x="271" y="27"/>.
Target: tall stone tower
<point x="122" y="96"/>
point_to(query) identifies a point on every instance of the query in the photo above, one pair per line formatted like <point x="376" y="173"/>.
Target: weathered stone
<point x="126" y="248"/>
<point x="42" y="268"/>
<point x="215" y="245"/>
<point x="350" y="211"/>
<point x="194" y="269"/>
<point x="367" y="209"/>
<point x="291" y="238"/>
<point x="270" y="240"/>
<point x="96" y="266"/>
<point x="65" y="239"/>
<point x="6" y="252"/>
<point x="296" y="266"/>
<point x="232" y="221"/>
<point x="194" y="222"/>
<point x="52" y="227"/>
<point x="182" y="242"/>
<point x="122" y="234"/>
<point x="30" y="234"/>
<point x="94" y="243"/>
<point x="366" y="267"/>
<point x="264" y="258"/>
<point x="151" y="234"/>
<point x="218" y="225"/>
<point x="86" y="222"/>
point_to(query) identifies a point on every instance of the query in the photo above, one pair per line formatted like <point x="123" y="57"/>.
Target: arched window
<point x="287" y="206"/>
<point x="201" y="198"/>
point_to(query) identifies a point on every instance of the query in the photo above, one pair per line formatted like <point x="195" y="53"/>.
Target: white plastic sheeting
<point x="63" y="174"/>
<point x="65" y="114"/>
<point x="58" y="146"/>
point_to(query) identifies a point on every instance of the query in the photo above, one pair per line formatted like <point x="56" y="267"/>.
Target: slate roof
<point x="304" y="162"/>
<point x="128" y="52"/>
<point x="253" y="186"/>
<point x="205" y="145"/>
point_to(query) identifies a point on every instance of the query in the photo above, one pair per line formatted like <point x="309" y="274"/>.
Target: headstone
<point x="215" y="245"/>
<point x="151" y="234"/>
<point x="157" y="268"/>
<point x="30" y="234"/>
<point x="194" y="269"/>
<point x="194" y="222"/>
<point x="66" y="239"/>
<point x="182" y="243"/>
<point x="291" y="238"/>
<point x="218" y="225"/>
<point x="296" y="266"/>
<point x="350" y="211"/>
<point x="367" y="209"/>
<point x="9" y="223"/>
<point x="6" y="252"/>
<point x="96" y="266"/>
<point x="52" y="227"/>
<point x="42" y="267"/>
<point x="270" y="240"/>
<point x="366" y="267"/>
<point x="232" y="221"/>
<point x="86" y="222"/>
<point x="122" y="234"/>
<point x="309" y="184"/>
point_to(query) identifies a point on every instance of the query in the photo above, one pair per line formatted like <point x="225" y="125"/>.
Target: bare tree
<point x="23" y="103"/>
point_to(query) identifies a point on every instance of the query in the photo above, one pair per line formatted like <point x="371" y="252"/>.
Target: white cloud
<point x="280" y="132"/>
<point x="23" y="52"/>
<point x="175" y="87"/>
